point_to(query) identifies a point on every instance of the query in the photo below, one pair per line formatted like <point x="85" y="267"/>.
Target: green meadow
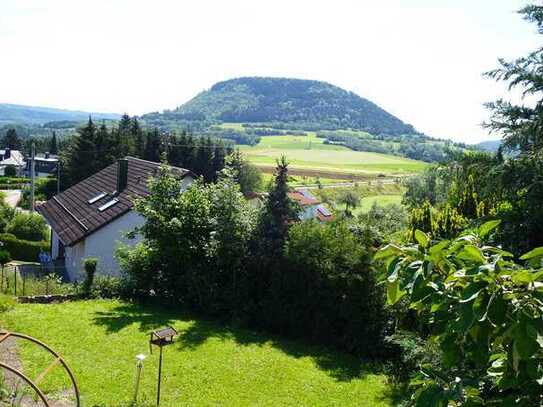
<point x="310" y="153"/>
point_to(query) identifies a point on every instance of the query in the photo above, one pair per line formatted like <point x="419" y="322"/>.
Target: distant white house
<point x="310" y="206"/>
<point x="92" y="217"/>
<point x="13" y="158"/>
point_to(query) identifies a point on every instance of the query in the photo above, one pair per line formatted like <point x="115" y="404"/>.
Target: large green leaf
<point x="488" y="227"/>
<point x="422" y="238"/>
<point x="472" y="291"/>
<point x="533" y="254"/>
<point x="394" y="294"/>
<point x="525" y="340"/>
<point x="525" y="276"/>
<point x="472" y="253"/>
<point x="387" y="251"/>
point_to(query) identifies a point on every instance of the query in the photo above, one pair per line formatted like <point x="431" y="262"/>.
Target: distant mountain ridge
<point x="294" y="103"/>
<point x="19" y="114"/>
<point x="489" y="145"/>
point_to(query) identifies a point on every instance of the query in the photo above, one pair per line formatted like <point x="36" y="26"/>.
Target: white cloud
<point x="421" y="59"/>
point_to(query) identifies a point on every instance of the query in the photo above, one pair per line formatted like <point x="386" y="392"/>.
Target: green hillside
<point x="285" y="103"/>
<point x="10" y="113"/>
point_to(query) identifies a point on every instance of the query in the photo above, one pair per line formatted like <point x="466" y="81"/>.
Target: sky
<point x="421" y="60"/>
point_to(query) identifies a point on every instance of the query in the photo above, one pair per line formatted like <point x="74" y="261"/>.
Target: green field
<point x="367" y="202"/>
<point x="210" y="363"/>
<point x="309" y="152"/>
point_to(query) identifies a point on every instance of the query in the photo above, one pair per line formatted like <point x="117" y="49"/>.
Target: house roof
<point x="16" y="158"/>
<point x="323" y="214"/>
<point x="73" y="218"/>
<point x="303" y="197"/>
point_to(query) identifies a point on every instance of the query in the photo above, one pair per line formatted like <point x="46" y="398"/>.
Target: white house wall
<point x="74" y="259"/>
<point x="103" y="243"/>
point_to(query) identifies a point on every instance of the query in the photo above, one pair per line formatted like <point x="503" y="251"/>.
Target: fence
<point x="32" y="279"/>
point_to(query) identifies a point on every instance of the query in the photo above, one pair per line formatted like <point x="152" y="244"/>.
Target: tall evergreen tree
<point x="280" y="211"/>
<point x="137" y="134"/>
<point x="520" y="125"/>
<point x="219" y="156"/>
<point x="11" y="140"/>
<point x="82" y="159"/>
<point x="152" y="145"/>
<point x="53" y="147"/>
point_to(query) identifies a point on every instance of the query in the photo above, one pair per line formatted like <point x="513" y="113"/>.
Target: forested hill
<point x="38" y="115"/>
<point x="286" y="103"/>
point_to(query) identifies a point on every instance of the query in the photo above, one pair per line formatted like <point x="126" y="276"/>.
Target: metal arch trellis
<point x="34" y="383"/>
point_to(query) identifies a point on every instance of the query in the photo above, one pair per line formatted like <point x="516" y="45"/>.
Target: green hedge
<point x="23" y="250"/>
<point x="13" y="180"/>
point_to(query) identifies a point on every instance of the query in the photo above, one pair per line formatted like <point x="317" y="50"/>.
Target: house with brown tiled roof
<point x="310" y="206"/>
<point x="90" y="218"/>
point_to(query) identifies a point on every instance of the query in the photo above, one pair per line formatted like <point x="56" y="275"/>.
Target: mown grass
<point x="310" y="152"/>
<point x="210" y="363"/>
<point x="367" y="202"/>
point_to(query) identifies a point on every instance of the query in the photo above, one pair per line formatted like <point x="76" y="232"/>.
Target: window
<point x="96" y="198"/>
<point x="108" y="205"/>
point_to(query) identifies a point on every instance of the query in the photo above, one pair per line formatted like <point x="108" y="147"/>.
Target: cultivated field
<point x="311" y="154"/>
<point x="210" y="364"/>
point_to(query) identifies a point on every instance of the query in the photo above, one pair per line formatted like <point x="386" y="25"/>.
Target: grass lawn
<point x="310" y="152"/>
<point x="367" y="202"/>
<point x="210" y="364"/>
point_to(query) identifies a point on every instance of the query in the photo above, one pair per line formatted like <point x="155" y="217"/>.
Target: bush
<point x="6" y="215"/>
<point x="90" y="264"/>
<point x="330" y="290"/>
<point x="23" y="250"/>
<point x="6" y="303"/>
<point x="406" y="352"/>
<point x="5" y="258"/>
<point x="10" y="171"/>
<point x="106" y="287"/>
<point x="28" y="226"/>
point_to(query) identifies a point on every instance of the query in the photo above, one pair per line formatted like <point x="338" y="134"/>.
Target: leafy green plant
<point x="484" y="310"/>
<point x="6" y="303"/>
<point x="90" y="264"/>
<point x="28" y="226"/>
<point x="23" y="250"/>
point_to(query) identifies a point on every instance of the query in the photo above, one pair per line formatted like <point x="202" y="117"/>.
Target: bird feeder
<point x="161" y="337"/>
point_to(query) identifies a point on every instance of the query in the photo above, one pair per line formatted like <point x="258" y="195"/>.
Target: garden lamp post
<point x="161" y="337"/>
<point x="139" y="365"/>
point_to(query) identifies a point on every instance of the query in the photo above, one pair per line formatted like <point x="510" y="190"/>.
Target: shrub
<point x="23" y="250"/>
<point x="330" y="291"/>
<point x="90" y="264"/>
<point x="6" y="215"/>
<point x="5" y="258"/>
<point x="6" y="303"/>
<point x="406" y="352"/>
<point x="482" y="309"/>
<point x="28" y="226"/>
<point x="10" y="171"/>
<point x="106" y="287"/>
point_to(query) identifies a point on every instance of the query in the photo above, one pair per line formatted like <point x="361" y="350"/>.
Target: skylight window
<point x="108" y="205"/>
<point x="96" y="198"/>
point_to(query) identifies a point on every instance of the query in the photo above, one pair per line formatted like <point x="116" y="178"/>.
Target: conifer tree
<point x="279" y="213"/>
<point x="218" y="161"/>
<point x="53" y="147"/>
<point x="11" y="140"/>
<point x="137" y="134"/>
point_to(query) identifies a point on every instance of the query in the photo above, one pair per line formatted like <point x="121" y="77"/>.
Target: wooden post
<point x="159" y="377"/>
